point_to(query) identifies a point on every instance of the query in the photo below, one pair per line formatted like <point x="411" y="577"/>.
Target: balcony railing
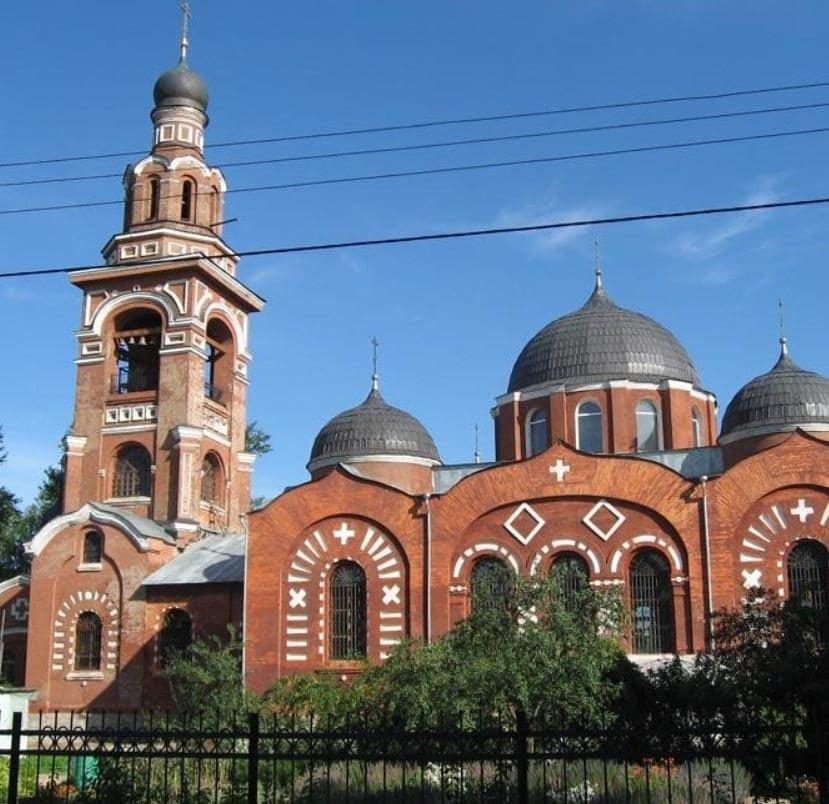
<point x="129" y="380"/>
<point x="213" y="392"/>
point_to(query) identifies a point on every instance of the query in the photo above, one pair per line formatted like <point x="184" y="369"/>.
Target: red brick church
<point x="608" y="461"/>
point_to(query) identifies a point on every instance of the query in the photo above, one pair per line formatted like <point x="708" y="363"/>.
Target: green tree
<point x="257" y="440"/>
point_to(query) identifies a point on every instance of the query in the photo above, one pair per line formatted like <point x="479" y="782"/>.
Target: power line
<point x="450" y="143"/>
<point x="444" y="122"/>
<point x="451" y="235"/>
<point x="452" y="168"/>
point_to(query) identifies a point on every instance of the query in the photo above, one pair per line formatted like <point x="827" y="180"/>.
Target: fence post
<point x="253" y="758"/>
<point x="14" y="756"/>
<point x="522" y="763"/>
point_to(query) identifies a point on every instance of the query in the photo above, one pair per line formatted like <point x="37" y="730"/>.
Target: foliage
<point x="257" y="440"/>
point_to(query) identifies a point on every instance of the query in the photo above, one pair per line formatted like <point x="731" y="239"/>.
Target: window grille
<point x="175" y="637"/>
<point x="88" y="642"/>
<point x="132" y="473"/>
<point x="348" y="612"/>
<point x="210" y="479"/>
<point x="809" y="574"/>
<point x="589" y="427"/>
<point x="491" y="582"/>
<point x="93" y="547"/>
<point x="572" y="572"/>
<point x="651" y="601"/>
<point x="539" y="437"/>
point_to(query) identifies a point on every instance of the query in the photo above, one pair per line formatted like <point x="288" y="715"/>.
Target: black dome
<point x="181" y="87"/>
<point x="372" y="428"/>
<point x="785" y="397"/>
<point x="602" y="341"/>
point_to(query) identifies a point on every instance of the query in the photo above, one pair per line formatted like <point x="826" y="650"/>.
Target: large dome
<point x="601" y="341"/>
<point x="372" y="429"/>
<point x="782" y="399"/>
<point x="181" y="87"/>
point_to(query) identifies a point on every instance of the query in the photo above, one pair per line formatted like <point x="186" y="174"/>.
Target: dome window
<point x="696" y="427"/>
<point x="155" y="196"/>
<point x="188" y="200"/>
<point x="589" y="427"/>
<point x="538" y="434"/>
<point x="647" y="427"/>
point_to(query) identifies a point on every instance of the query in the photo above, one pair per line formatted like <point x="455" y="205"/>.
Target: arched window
<point x="571" y="571"/>
<point x="188" y="199"/>
<point x="155" y="196"/>
<point x="696" y="427"/>
<point x="647" y="427"/>
<point x="93" y="547"/>
<point x="137" y="341"/>
<point x="491" y="583"/>
<point x="218" y="360"/>
<point x="538" y="434"/>
<point x="88" y="642"/>
<point x="651" y="603"/>
<point x="348" y="611"/>
<point x="589" y="427"/>
<point x="211" y="477"/>
<point x="175" y="637"/>
<point x="808" y="567"/>
<point x="132" y="476"/>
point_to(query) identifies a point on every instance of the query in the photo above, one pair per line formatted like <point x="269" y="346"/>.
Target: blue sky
<point x="451" y="316"/>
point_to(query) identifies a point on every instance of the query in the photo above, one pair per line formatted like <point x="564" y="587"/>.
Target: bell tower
<point x="161" y="397"/>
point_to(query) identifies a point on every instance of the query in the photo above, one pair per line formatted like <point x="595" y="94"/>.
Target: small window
<point x="93" y="547"/>
<point x="651" y="602"/>
<point x="696" y="427"/>
<point x="175" y="637"/>
<point x="155" y="196"/>
<point x="218" y="361"/>
<point x="808" y="570"/>
<point x="211" y="472"/>
<point x="88" y="642"/>
<point x="348" y="611"/>
<point x="647" y="427"/>
<point x="187" y="205"/>
<point x="572" y="573"/>
<point x="491" y="583"/>
<point x="589" y="427"/>
<point x="538" y="434"/>
<point x="133" y="472"/>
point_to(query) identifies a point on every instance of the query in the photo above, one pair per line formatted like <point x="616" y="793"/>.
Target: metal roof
<point x="372" y="428"/>
<point x="146" y="527"/>
<point x="214" y="559"/>
<point x="785" y="397"/>
<point x="180" y="86"/>
<point x="601" y="341"/>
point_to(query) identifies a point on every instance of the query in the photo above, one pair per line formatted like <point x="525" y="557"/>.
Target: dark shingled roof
<point x="372" y="428"/>
<point x="181" y="87"/>
<point x="601" y="341"/>
<point x="786" y="397"/>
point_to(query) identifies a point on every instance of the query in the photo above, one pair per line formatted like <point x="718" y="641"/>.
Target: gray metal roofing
<point x="372" y="428"/>
<point x="786" y="396"/>
<point x="180" y="86"/>
<point x="690" y="463"/>
<point x="146" y="527"/>
<point x="214" y="559"/>
<point x="601" y="341"/>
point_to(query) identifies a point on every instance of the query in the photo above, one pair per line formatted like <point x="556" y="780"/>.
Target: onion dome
<point x="598" y="342"/>
<point x="783" y="399"/>
<point x="181" y="87"/>
<point x="373" y="430"/>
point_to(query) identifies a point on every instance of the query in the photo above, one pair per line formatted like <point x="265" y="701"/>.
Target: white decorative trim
<point x="484" y="548"/>
<point x="565" y="546"/>
<point x="74" y="445"/>
<point x="770" y="429"/>
<point x="587" y="519"/>
<point x="524" y="508"/>
<point x="18" y="580"/>
<point x="320" y="463"/>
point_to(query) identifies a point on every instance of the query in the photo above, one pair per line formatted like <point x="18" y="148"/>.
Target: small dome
<point x="181" y="87"/>
<point x="784" y="398"/>
<point x="373" y="428"/>
<point x="601" y="341"/>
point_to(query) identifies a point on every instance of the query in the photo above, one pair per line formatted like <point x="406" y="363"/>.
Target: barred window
<point x="175" y="637"/>
<point x="573" y="574"/>
<point x="538" y="436"/>
<point x="88" y="642"/>
<point x="491" y="582"/>
<point x="132" y="472"/>
<point x="651" y="602"/>
<point x="211" y="472"/>
<point x="348" y="611"/>
<point x="808" y="568"/>
<point x="93" y="547"/>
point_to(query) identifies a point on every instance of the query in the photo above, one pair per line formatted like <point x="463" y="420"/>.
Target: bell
<point x="142" y="341"/>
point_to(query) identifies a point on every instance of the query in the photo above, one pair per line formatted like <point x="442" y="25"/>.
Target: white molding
<point x="18" y="580"/>
<point x="128" y="428"/>
<point x="104" y="309"/>
<point x="74" y="445"/>
<point x="183" y="431"/>
<point x="321" y="463"/>
<point x="770" y="429"/>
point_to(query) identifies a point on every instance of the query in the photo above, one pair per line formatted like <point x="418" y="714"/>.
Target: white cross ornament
<point x="752" y="579"/>
<point x="297" y="598"/>
<point x="344" y="533"/>
<point x="391" y="594"/>
<point x="559" y="469"/>
<point x="802" y="511"/>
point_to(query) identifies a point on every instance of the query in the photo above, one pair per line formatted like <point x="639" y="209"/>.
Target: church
<point x="610" y="463"/>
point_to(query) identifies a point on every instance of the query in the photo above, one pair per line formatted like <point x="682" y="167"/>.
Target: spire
<point x="476" y="456"/>
<point x="598" y="269"/>
<point x="784" y="341"/>
<point x="375" y="377"/>
<point x="186" y="15"/>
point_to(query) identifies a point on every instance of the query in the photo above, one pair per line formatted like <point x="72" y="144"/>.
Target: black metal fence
<point x="120" y="759"/>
